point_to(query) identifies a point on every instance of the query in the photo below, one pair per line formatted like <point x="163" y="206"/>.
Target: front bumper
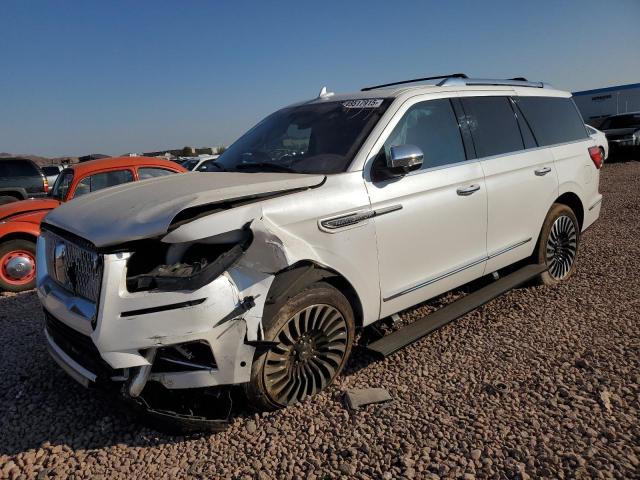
<point x="109" y="340"/>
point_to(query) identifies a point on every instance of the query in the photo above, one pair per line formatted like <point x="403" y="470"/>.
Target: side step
<point x="393" y="342"/>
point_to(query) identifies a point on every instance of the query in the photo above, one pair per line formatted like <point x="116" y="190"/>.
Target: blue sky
<point x="112" y="77"/>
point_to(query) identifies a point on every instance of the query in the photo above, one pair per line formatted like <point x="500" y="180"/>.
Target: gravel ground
<point x="542" y="382"/>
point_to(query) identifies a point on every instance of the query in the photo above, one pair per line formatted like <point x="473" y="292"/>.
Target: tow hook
<point x="139" y="379"/>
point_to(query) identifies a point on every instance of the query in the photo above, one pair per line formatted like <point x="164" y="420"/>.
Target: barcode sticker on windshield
<point x="363" y="103"/>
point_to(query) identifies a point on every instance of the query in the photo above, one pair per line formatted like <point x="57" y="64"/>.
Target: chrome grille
<point x="77" y="268"/>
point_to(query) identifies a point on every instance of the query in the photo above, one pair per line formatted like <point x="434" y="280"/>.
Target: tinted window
<point x="431" y="126"/>
<point x="99" y="181"/>
<point x="190" y="164"/>
<point x="553" y="120"/>
<point x="209" y="166"/>
<point x="493" y="125"/>
<point x="18" y="168"/>
<point x="525" y="129"/>
<point x="51" y="170"/>
<point x="622" y="121"/>
<point x="150" y="172"/>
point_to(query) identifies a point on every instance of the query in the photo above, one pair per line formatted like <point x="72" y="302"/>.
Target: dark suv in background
<point x="20" y="178"/>
<point x="623" y="132"/>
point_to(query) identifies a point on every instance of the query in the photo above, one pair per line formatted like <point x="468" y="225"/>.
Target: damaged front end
<point x="185" y="266"/>
<point x="176" y="317"/>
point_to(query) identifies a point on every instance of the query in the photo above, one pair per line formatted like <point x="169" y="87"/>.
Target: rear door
<point x="520" y="177"/>
<point x="558" y="127"/>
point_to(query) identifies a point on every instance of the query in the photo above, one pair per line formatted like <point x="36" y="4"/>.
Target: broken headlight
<point x="186" y="266"/>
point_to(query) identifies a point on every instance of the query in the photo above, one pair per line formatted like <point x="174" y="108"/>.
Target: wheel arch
<point x="19" y="231"/>
<point x="572" y="200"/>
<point x="291" y="280"/>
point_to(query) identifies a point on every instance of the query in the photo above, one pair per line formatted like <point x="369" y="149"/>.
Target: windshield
<point x="623" y="121"/>
<point x="61" y="187"/>
<point x="311" y="138"/>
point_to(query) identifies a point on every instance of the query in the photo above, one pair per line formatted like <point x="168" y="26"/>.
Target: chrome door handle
<point x="465" y="192"/>
<point x="541" y="172"/>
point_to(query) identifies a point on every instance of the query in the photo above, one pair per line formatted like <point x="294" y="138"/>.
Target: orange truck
<point x="20" y="221"/>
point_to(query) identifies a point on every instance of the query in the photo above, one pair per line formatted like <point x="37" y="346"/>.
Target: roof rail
<point x="513" y="82"/>
<point x="446" y="77"/>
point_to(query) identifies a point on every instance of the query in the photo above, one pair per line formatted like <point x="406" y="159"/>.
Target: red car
<point x="20" y="221"/>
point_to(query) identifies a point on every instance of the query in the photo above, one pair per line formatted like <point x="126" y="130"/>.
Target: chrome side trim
<point x="595" y="204"/>
<point x="350" y="219"/>
<point x="508" y="248"/>
<point x="437" y="278"/>
<point x="68" y="364"/>
<point x="456" y="270"/>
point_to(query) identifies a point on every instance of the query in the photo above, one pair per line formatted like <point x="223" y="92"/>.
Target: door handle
<point x="541" y="172"/>
<point x="466" y="191"/>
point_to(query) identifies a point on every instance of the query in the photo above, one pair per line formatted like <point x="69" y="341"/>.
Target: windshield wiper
<point x="264" y="165"/>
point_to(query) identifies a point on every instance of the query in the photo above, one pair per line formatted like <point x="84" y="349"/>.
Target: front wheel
<point x="558" y="244"/>
<point x="17" y="265"/>
<point x="314" y="330"/>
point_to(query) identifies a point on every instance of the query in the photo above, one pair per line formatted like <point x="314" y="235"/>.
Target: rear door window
<point x="553" y="120"/>
<point x="432" y="126"/>
<point x="98" y="181"/>
<point x="493" y="125"/>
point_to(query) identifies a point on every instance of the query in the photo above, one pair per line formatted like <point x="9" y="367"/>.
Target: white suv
<point x="325" y="217"/>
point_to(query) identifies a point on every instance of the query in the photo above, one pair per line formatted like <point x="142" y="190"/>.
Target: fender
<point x="19" y="229"/>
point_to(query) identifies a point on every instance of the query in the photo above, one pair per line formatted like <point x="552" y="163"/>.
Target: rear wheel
<point x="558" y="244"/>
<point x="17" y="265"/>
<point x="314" y="330"/>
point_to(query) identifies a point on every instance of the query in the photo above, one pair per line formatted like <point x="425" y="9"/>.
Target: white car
<point x="326" y="217"/>
<point x="192" y="163"/>
<point x="600" y="139"/>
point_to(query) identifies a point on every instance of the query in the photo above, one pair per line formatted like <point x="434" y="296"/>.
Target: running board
<point x="393" y="342"/>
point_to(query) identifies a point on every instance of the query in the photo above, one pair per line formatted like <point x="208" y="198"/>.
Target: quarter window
<point x="553" y="119"/>
<point x="99" y="181"/>
<point x="431" y="126"/>
<point x="493" y="125"/>
<point x="149" y="172"/>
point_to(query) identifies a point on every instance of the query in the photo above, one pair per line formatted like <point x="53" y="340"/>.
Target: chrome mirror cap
<point x="405" y="156"/>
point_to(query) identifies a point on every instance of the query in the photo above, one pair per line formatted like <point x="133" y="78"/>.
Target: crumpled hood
<point x="145" y="209"/>
<point x="22" y="207"/>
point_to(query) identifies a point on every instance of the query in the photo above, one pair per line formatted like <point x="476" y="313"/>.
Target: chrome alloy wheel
<point x="562" y="245"/>
<point x="310" y="352"/>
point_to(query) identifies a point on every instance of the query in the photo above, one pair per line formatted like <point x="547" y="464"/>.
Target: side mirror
<point x="405" y="157"/>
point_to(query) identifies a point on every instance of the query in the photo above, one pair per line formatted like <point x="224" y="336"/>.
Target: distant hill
<point x="41" y="160"/>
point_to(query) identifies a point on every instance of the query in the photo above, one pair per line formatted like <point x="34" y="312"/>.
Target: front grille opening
<point x="74" y="264"/>
<point x="184" y="357"/>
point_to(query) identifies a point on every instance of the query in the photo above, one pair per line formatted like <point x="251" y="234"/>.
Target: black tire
<point x="6" y="248"/>
<point x="558" y="244"/>
<point x="315" y="330"/>
<point x="4" y="199"/>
